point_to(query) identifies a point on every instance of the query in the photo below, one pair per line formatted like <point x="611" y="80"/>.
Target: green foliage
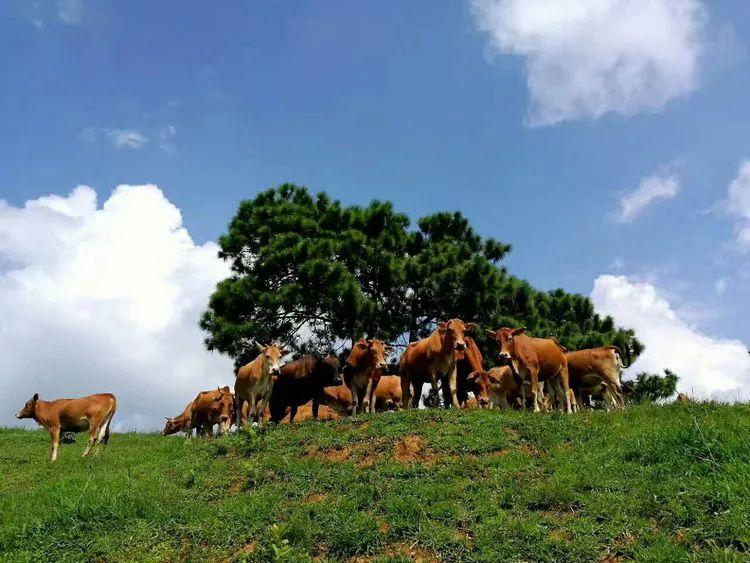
<point x="650" y="387"/>
<point x="651" y="482"/>
<point x="310" y="272"/>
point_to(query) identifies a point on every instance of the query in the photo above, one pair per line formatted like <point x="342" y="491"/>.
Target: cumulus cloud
<point x="118" y="138"/>
<point x="707" y="366"/>
<point x="660" y="186"/>
<point x="585" y="58"/>
<point x="738" y="205"/>
<point x="69" y="11"/>
<point x="105" y="299"/>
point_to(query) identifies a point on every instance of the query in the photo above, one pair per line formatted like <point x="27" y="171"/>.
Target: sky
<point x="606" y="140"/>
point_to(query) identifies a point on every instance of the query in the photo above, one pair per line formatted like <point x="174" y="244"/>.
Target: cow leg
<point x="355" y="399"/>
<point x="292" y="413"/>
<point x="315" y="406"/>
<point x="565" y="384"/>
<point x="534" y="377"/>
<point x="405" y="392"/>
<point x="54" y="433"/>
<point x="238" y="406"/>
<point x="370" y="395"/>
<point x="416" y="393"/>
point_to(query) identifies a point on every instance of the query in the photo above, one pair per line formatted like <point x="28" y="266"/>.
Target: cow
<point x="388" y="393"/>
<point x="468" y="361"/>
<point x="433" y="359"/>
<point x="305" y="412"/>
<point x="588" y="368"/>
<point x="210" y="408"/>
<point x="254" y="381"/>
<point x="535" y="359"/>
<point x="301" y="381"/>
<point x="93" y="413"/>
<point x="179" y="423"/>
<point x="363" y="369"/>
<point x="338" y="398"/>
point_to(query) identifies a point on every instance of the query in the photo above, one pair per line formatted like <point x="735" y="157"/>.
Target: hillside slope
<point x="662" y="483"/>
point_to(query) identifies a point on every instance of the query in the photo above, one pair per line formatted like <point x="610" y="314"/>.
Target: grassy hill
<point x="658" y="483"/>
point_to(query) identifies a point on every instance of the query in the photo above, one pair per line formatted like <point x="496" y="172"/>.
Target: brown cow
<point x="305" y="412"/>
<point x="535" y="359"/>
<point x="93" y="413"/>
<point x="339" y="398"/>
<point x="433" y="359"/>
<point x="388" y="393"/>
<point x="254" y="381"/>
<point x="208" y="408"/>
<point x="468" y="361"/>
<point x="504" y="391"/>
<point x="591" y="367"/>
<point x="363" y="369"/>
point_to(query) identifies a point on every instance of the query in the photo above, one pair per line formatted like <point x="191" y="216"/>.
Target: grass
<point x="651" y="483"/>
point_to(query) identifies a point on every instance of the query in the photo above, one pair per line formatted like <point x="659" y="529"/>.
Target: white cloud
<point x="584" y="58"/>
<point x="118" y="138"/>
<point x="105" y="299"/>
<point x="658" y="187"/>
<point x="738" y="204"/>
<point x="69" y="11"/>
<point x="707" y="366"/>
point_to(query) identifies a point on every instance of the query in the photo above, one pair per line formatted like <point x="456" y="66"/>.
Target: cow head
<point x="453" y="334"/>
<point x="480" y="382"/>
<point x="173" y="426"/>
<point x="29" y="409"/>
<point x="328" y="369"/>
<point x="272" y="355"/>
<point x="369" y="353"/>
<point x="505" y="338"/>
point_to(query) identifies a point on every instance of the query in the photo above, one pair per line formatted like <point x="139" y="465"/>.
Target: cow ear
<point x="518" y="331"/>
<point x="362" y="344"/>
<point x="284" y="352"/>
<point x="35" y="397"/>
<point x="473" y="376"/>
<point x="471" y="327"/>
<point x="260" y="346"/>
<point x="492" y="333"/>
<point x="387" y="348"/>
<point x="442" y="326"/>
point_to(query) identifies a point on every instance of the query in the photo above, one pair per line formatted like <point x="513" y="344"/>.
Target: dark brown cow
<point x="589" y="368"/>
<point x="301" y="381"/>
<point x="535" y="359"/>
<point x="433" y="360"/>
<point x="254" y="381"/>
<point x="363" y="369"/>
<point x="93" y="413"/>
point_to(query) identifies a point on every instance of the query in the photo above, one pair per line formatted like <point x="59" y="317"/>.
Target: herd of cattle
<point x="536" y="373"/>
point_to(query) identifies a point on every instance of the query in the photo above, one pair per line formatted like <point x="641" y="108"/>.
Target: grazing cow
<point x="535" y="359"/>
<point x="433" y="359"/>
<point x="683" y="398"/>
<point x="468" y="361"/>
<point x="589" y="368"/>
<point x="338" y="398"/>
<point x="254" y="381"/>
<point x="363" y="369"/>
<point x="388" y="393"/>
<point x="301" y="381"/>
<point x="179" y="423"/>
<point x="93" y="413"/>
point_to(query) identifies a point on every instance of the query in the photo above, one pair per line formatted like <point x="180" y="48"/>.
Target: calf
<point x="179" y="423"/>
<point x="388" y="393"/>
<point x="363" y="369"/>
<point x="591" y="367"/>
<point x="254" y="382"/>
<point x="338" y="398"/>
<point x="305" y="412"/>
<point x="468" y="361"/>
<point x="433" y="359"/>
<point x="535" y="359"/>
<point x="301" y="381"/>
<point x="93" y="413"/>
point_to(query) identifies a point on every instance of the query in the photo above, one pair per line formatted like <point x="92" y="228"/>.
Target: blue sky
<point x="406" y="101"/>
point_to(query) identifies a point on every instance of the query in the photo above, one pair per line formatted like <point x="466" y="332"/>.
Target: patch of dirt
<point x="530" y="449"/>
<point x="409" y="450"/>
<point x="246" y="549"/>
<point x="316" y="497"/>
<point x="339" y="454"/>
<point x="610" y="558"/>
<point x="411" y="551"/>
<point x="384" y="528"/>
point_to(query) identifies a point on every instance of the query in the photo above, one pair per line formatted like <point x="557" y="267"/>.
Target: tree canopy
<point x="314" y="274"/>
